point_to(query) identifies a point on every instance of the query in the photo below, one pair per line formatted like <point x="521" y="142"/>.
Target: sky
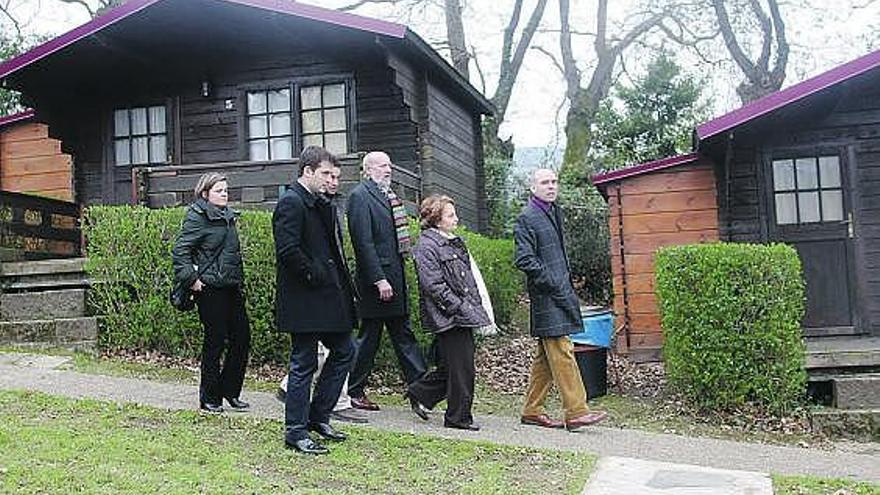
<point x="822" y="34"/>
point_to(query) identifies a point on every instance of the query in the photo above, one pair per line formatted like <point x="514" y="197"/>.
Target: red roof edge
<point x="16" y="117"/>
<point x="789" y="95"/>
<point x="130" y="7"/>
<point x="644" y="168"/>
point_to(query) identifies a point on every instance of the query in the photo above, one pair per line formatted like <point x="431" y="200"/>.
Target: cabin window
<point x="139" y="135"/>
<point x="807" y="190"/>
<point x="323" y="117"/>
<point x="270" y="133"/>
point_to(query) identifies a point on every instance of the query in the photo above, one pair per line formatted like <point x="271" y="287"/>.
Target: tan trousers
<point x="554" y="363"/>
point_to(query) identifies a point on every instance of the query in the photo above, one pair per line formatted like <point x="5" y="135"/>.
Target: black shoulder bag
<point x="182" y="297"/>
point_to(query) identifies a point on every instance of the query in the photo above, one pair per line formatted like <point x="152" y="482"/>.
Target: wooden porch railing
<point x="251" y="184"/>
<point x="34" y="227"/>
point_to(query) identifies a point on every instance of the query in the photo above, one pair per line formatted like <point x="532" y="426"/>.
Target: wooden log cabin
<point x="799" y="166"/>
<point x="152" y="93"/>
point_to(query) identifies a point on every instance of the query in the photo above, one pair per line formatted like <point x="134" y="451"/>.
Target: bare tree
<point x="584" y="101"/>
<point x="455" y="35"/>
<point x="761" y="78"/>
<point x="95" y="7"/>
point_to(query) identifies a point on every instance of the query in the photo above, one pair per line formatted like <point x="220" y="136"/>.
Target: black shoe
<point x="327" y="431"/>
<point x="417" y="407"/>
<point x="457" y="426"/>
<point x="237" y="404"/>
<point x="307" y="446"/>
<point x="211" y="408"/>
<point x="281" y="394"/>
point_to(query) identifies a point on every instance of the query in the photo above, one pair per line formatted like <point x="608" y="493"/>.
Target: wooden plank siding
<point x="451" y="165"/>
<point x="646" y="212"/>
<point x="32" y="162"/>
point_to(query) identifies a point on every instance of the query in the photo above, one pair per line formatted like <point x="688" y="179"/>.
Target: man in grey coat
<point x="554" y="308"/>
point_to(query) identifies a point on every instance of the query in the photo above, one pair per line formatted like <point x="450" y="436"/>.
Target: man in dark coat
<point x="554" y="308"/>
<point x="379" y="229"/>
<point x="314" y="301"/>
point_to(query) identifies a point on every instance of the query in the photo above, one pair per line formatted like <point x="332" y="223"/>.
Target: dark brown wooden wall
<point x="451" y="165"/>
<point x="32" y="162"/>
<point x="664" y="208"/>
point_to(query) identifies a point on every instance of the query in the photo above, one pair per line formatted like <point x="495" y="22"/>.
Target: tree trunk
<point x="455" y="35"/>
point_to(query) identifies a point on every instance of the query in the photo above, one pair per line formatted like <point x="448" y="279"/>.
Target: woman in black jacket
<point x="451" y="309"/>
<point x="207" y="257"/>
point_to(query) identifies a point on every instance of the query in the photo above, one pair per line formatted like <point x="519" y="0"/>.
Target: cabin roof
<point x="310" y="12"/>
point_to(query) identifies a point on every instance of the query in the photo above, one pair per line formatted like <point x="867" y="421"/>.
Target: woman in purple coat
<point x="451" y="309"/>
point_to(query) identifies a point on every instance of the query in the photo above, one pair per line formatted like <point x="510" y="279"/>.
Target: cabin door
<point x="811" y="209"/>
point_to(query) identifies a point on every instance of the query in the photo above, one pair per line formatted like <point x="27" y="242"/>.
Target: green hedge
<point x="731" y="316"/>
<point x="129" y="258"/>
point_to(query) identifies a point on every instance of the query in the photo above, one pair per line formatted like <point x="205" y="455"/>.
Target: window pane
<point x="282" y="148"/>
<point x="139" y="121"/>
<point x="783" y="175"/>
<point x="336" y="143"/>
<point x="808" y="204"/>
<point x="256" y="102"/>
<point x="786" y="209"/>
<point x="334" y="120"/>
<point x="829" y="171"/>
<point x="807" y="176"/>
<point x="120" y="123"/>
<point x="157" y="120"/>
<point x="139" y="151"/>
<point x="279" y="100"/>
<point x="310" y="97"/>
<point x="314" y="139"/>
<point x="334" y="95"/>
<point x="311" y="121"/>
<point x="257" y="127"/>
<point x="158" y="151"/>
<point x="259" y="150"/>
<point x="122" y="154"/>
<point x="832" y="206"/>
<point x="279" y="124"/>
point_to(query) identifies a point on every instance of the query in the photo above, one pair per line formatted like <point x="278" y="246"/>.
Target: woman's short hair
<point x="206" y="182"/>
<point x="432" y="209"/>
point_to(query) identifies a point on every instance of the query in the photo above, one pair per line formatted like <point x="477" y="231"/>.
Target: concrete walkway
<point x="859" y="461"/>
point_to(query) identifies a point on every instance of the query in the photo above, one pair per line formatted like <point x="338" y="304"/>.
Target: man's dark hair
<point x="312" y="156"/>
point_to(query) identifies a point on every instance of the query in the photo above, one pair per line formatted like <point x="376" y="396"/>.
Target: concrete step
<point x="843" y="352"/>
<point x="61" y="331"/>
<point x="33" y="276"/>
<point x="45" y="305"/>
<point x="858" y="391"/>
<point x="43" y="267"/>
<point x="857" y="424"/>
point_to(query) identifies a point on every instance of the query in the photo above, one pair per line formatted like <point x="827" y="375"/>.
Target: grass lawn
<point x="57" y="445"/>
<point x="805" y="485"/>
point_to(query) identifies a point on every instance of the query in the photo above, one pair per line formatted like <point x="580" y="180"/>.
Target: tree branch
<point x="551" y="57"/>
<point x="730" y="41"/>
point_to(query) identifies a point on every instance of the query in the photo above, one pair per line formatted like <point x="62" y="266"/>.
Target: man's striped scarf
<point x="401" y="222"/>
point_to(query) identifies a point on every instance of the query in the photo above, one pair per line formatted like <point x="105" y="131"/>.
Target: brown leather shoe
<point x="364" y="403"/>
<point x="541" y="420"/>
<point x="585" y="420"/>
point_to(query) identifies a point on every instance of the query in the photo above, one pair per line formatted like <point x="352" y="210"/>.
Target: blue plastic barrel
<point x="598" y="325"/>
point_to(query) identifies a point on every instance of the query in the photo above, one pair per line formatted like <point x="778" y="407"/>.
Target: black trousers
<point x="453" y="379"/>
<point x="299" y="411"/>
<point x="227" y="333"/>
<point x="405" y="347"/>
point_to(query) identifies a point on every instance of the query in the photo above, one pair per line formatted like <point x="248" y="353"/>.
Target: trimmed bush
<point x="731" y="316"/>
<point x="129" y="258"/>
